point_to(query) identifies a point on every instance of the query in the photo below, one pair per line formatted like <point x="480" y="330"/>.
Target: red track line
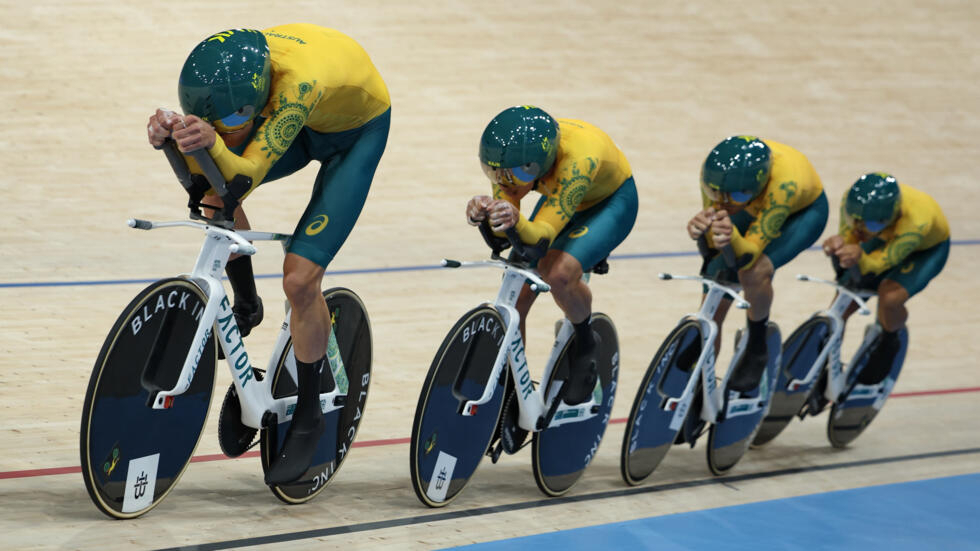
<point x="392" y="441"/>
<point x="934" y="392"/>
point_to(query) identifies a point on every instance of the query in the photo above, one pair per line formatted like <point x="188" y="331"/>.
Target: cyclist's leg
<point x="799" y="232"/>
<point x="897" y="287"/>
<point x="338" y="196"/>
<point x="588" y="238"/>
<point x="247" y="304"/>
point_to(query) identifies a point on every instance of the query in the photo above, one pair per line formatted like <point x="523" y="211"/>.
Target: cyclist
<point x="898" y="237"/>
<point x="766" y="200"/>
<point x="587" y="207"/>
<point x="278" y="99"/>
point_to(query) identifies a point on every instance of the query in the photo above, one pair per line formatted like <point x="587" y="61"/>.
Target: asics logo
<point x="579" y="232"/>
<point x="317" y="225"/>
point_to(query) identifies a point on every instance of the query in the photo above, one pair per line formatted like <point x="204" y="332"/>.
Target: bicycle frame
<point x="713" y="408"/>
<point x="533" y="404"/>
<point x="254" y="395"/>
<point x="830" y="354"/>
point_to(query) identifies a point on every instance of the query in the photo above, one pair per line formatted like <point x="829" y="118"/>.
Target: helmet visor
<point x="235" y="119"/>
<point x="728" y="197"/>
<point x="869" y="226"/>
<point x="508" y="177"/>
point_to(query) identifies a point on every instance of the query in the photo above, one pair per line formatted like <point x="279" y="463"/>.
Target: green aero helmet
<point x="873" y="200"/>
<point x="736" y="170"/>
<point x="520" y="143"/>
<point x="226" y="78"/>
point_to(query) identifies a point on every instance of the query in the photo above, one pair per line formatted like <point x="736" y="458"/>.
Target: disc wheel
<point x="561" y="453"/>
<point x="800" y="351"/>
<point x="650" y="430"/>
<point x="446" y="446"/>
<point x="133" y="455"/>
<point x="352" y="328"/>
<point x="729" y="439"/>
<point x="854" y="412"/>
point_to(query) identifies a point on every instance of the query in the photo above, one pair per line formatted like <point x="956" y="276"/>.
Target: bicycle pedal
<point x="340" y="401"/>
<point x="494" y="452"/>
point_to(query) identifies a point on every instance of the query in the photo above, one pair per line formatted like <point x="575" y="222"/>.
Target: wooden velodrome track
<point x="856" y="85"/>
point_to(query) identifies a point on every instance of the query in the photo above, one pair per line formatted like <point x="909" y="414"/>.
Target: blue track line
<point x="418" y="268"/>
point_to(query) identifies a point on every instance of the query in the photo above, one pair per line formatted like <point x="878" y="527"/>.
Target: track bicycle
<point x="679" y="396"/>
<point x="150" y="390"/>
<point x="812" y="374"/>
<point x="479" y="399"/>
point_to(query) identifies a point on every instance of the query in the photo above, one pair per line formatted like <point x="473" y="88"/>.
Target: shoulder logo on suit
<point x="317" y="225"/>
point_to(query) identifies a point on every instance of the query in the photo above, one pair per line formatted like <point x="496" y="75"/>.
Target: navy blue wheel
<point x="133" y="455"/>
<point x="800" y="351"/>
<point x="859" y="405"/>
<point x="446" y="446"/>
<point x="729" y="438"/>
<point x="650" y="429"/>
<point x="560" y="454"/>
<point x="352" y="328"/>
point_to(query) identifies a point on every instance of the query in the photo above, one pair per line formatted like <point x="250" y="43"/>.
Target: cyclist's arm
<point x="845" y="230"/>
<point x="269" y="143"/>
<point x="563" y="195"/>
<point x="906" y="240"/>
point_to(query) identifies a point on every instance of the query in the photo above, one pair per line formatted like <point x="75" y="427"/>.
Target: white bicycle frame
<point x="533" y="404"/>
<point x="255" y="396"/>
<point x="714" y="398"/>
<point x="830" y="354"/>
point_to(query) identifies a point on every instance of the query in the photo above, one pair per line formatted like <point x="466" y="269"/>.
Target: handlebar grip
<point x="529" y="253"/>
<point x="727" y="252"/>
<point x="853" y="272"/>
<point x="446" y="263"/>
<point x="496" y="243"/>
<point x="210" y="169"/>
<point x="140" y="224"/>
<point x="177" y="163"/>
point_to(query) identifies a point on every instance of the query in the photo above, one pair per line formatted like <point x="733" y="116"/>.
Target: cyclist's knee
<point x="758" y="275"/>
<point x="301" y="282"/>
<point x="891" y="294"/>
<point x="563" y="271"/>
